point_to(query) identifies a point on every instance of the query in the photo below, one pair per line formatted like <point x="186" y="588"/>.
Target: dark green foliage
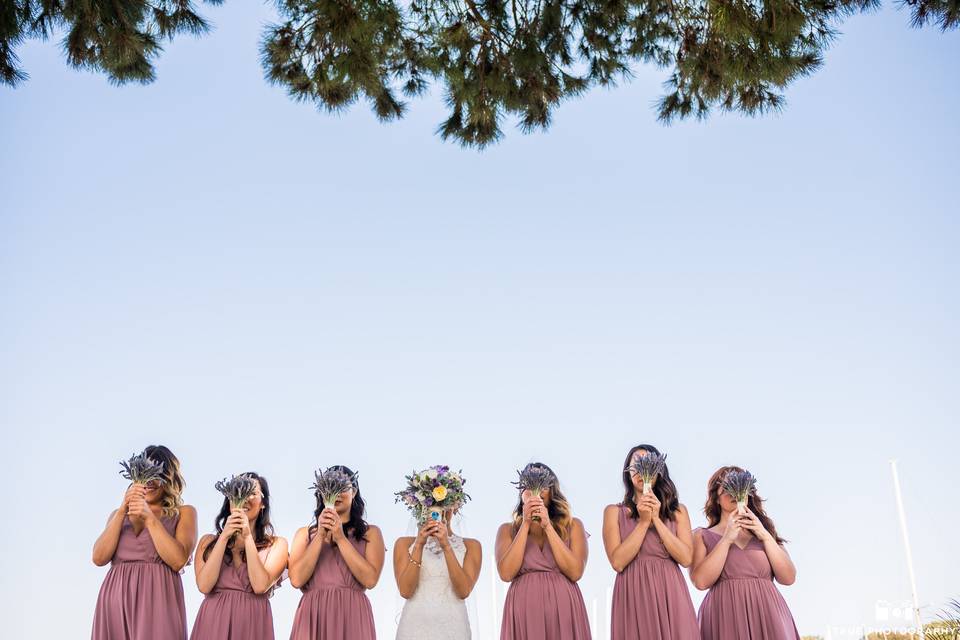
<point x="492" y="58"/>
<point x="119" y="37"/>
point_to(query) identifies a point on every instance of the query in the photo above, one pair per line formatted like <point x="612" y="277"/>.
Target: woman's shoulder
<point x="186" y="512"/>
<point x="472" y="542"/>
<point x="277" y="541"/>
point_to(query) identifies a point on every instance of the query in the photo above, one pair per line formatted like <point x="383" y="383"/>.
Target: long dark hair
<point x="754" y="502"/>
<point x="558" y="509"/>
<point x="663" y="488"/>
<point x="356" y="526"/>
<point x="262" y="530"/>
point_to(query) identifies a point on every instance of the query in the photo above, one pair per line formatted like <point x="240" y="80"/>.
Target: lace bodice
<point x="435" y="612"/>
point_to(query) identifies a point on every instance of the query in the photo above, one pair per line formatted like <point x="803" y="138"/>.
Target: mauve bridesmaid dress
<point x="744" y="604"/>
<point x="232" y="611"/>
<point x="651" y="600"/>
<point x="142" y="597"/>
<point x="542" y="603"/>
<point x="334" y="605"/>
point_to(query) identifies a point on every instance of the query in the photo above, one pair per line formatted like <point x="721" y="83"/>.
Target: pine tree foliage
<point x="120" y="38"/>
<point x="493" y="59"/>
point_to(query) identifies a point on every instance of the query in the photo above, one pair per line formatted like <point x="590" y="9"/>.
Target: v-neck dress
<point x="744" y="604"/>
<point x="542" y="603"/>
<point x="141" y="597"/>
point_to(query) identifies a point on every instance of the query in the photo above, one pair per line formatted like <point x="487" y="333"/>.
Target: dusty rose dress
<point x="744" y="604"/>
<point x="650" y="598"/>
<point x="232" y="611"/>
<point x="142" y="597"/>
<point x="542" y="603"/>
<point x="334" y="605"/>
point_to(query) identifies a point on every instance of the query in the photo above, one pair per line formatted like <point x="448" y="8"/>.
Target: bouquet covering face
<point x="432" y="491"/>
<point x="141" y="469"/>
<point x="330" y="483"/>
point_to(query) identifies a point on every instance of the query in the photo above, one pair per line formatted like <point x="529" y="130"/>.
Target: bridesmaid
<point x="333" y="561"/>
<point x="542" y="553"/>
<point x="238" y="569"/>
<point x="737" y="557"/>
<point x="147" y="541"/>
<point x="647" y="538"/>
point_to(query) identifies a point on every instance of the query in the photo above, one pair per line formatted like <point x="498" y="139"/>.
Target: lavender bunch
<point x="238" y="489"/>
<point x="648" y="467"/>
<point x="141" y="468"/>
<point x="738" y="485"/>
<point x="331" y="483"/>
<point x="535" y="479"/>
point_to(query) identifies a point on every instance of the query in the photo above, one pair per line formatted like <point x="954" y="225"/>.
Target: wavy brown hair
<point x="262" y="530"/>
<point x="663" y="488"/>
<point x="558" y="507"/>
<point x="754" y="502"/>
<point x="173" y="483"/>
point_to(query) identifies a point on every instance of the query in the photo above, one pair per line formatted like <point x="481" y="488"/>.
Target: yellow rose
<point x="439" y="493"/>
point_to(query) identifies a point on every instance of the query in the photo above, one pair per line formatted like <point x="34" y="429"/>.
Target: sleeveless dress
<point x="744" y="604"/>
<point x="650" y="598"/>
<point x="334" y="605"/>
<point x="542" y="603"/>
<point x="141" y="597"/>
<point x="232" y="611"/>
<point x="435" y="612"/>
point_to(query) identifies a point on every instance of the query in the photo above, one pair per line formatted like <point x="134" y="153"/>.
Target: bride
<point x="435" y="571"/>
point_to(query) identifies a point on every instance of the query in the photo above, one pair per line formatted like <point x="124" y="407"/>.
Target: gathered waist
<point x="333" y="587"/>
<point x="723" y="580"/>
<point x="150" y="563"/>
<point x="541" y="572"/>
<point x="245" y="592"/>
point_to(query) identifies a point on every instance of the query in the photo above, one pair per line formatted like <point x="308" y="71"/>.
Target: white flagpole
<point x="906" y="546"/>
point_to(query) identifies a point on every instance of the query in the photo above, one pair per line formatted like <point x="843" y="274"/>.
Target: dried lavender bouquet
<point x="330" y="483"/>
<point x="535" y="479"/>
<point x="141" y="469"/>
<point x="738" y="485"/>
<point x="238" y="489"/>
<point x="648" y="467"/>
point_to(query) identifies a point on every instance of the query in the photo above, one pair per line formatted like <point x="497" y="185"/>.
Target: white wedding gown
<point x="435" y="612"/>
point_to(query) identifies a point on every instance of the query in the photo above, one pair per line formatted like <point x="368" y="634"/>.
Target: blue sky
<point x="203" y="263"/>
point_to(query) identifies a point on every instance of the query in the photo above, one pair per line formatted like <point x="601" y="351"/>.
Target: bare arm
<point x="621" y="552"/>
<point x="407" y="573"/>
<point x="571" y="560"/>
<point x="783" y="568"/>
<point x="175" y="549"/>
<point x="462" y="578"/>
<point x="106" y="544"/>
<point x="207" y="571"/>
<point x="679" y="545"/>
<point x="708" y="566"/>
<point x="304" y="555"/>
<point x="263" y="575"/>
<point x="365" y="568"/>
<point x="510" y="549"/>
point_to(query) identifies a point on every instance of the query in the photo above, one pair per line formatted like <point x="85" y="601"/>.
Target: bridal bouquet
<point x="141" y="469"/>
<point x="738" y="485"/>
<point x="648" y="467"/>
<point x="432" y="491"/>
<point x="536" y="479"/>
<point x="237" y="489"/>
<point x="330" y="483"/>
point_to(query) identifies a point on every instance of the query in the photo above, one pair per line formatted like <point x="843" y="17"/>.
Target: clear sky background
<point x="205" y="264"/>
